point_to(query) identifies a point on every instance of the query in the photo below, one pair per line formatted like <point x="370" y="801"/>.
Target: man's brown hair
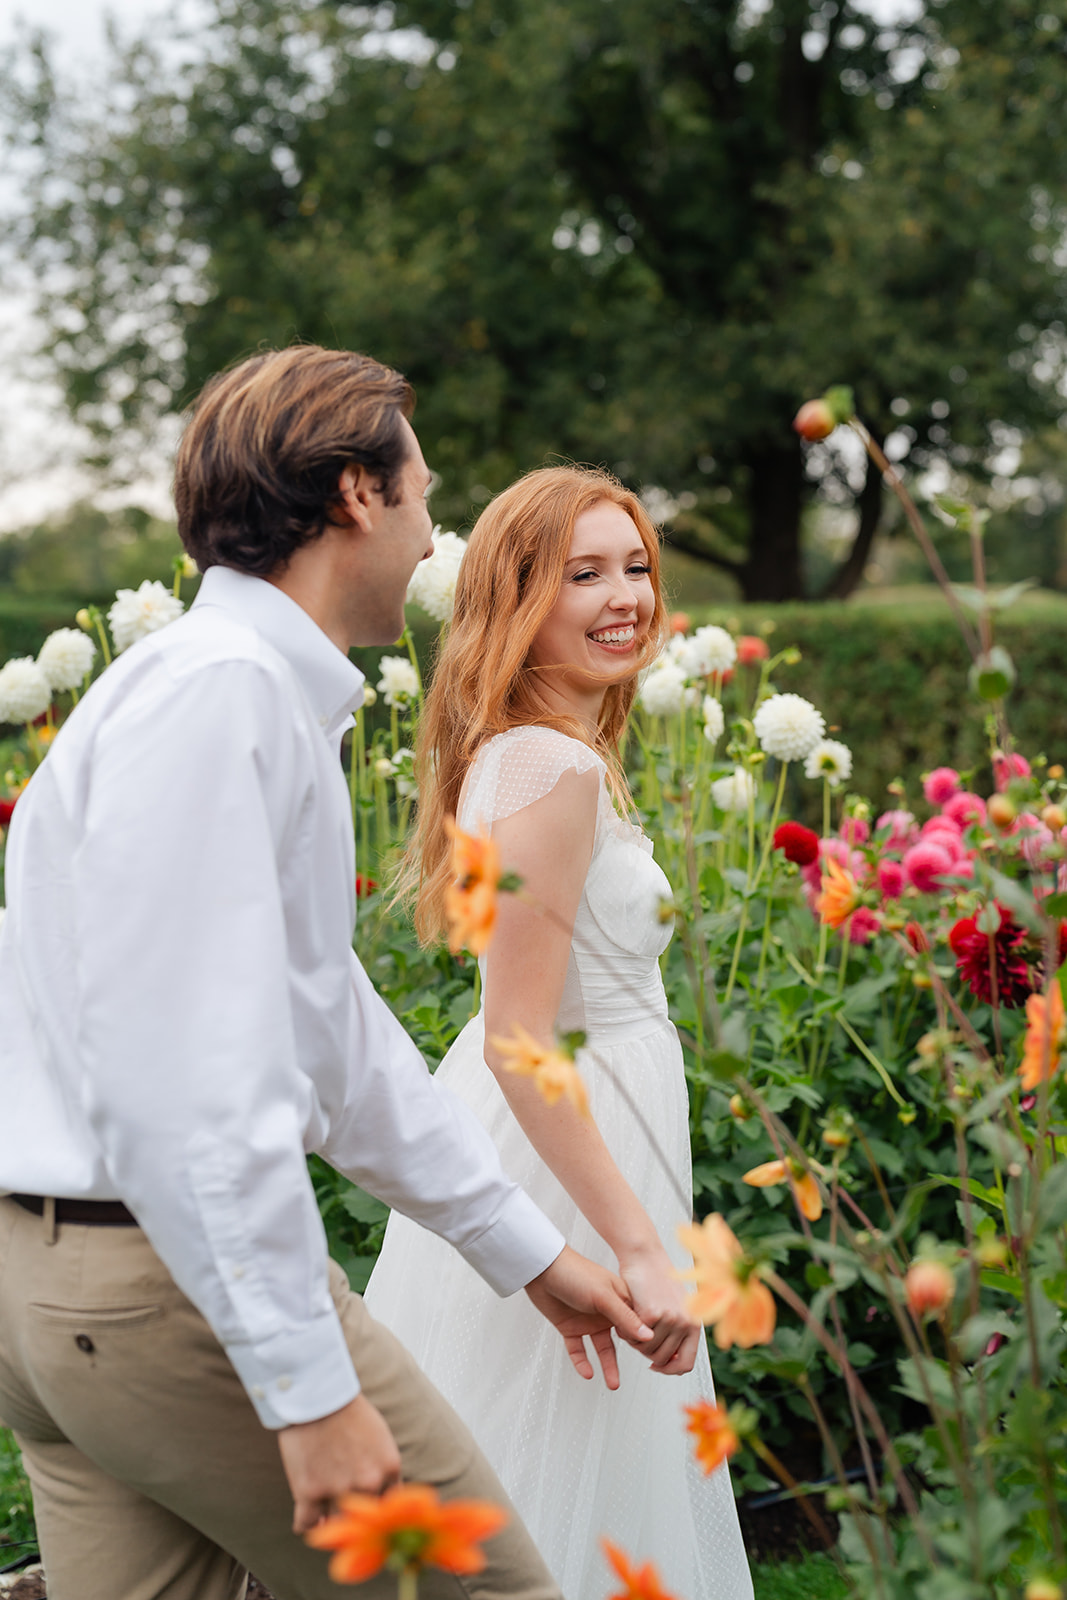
<point x="259" y="462"/>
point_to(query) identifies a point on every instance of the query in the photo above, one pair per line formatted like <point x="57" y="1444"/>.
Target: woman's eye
<point x="641" y="571"/>
<point x="579" y="576"/>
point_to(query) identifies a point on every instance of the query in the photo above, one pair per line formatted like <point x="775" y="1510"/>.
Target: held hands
<point x="349" y="1452"/>
<point x="660" y="1299"/>
<point x="582" y="1300"/>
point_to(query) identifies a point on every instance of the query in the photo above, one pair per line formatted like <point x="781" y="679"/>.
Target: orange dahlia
<point x="553" y="1071"/>
<point x="405" y="1529"/>
<point x="640" y="1583"/>
<point x="470" y="900"/>
<point x="805" y="1189"/>
<point x="1045" y="1027"/>
<point x="716" y="1438"/>
<point x="840" y="894"/>
<point x="729" y="1295"/>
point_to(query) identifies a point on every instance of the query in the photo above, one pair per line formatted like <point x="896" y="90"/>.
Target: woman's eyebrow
<point x="596" y="555"/>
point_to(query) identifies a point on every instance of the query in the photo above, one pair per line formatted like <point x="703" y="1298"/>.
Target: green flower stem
<point x="101" y="633"/>
<point x="869" y="1055"/>
<point x="741" y="926"/>
<point x="826" y="808"/>
<point x="35" y="744"/>
<point x="394" y="729"/>
<point x="835" y="1352"/>
<point x="768" y="843"/>
<point x="407" y="1583"/>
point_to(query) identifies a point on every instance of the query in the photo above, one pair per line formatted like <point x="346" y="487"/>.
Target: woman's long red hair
<point x="508" y="583"/>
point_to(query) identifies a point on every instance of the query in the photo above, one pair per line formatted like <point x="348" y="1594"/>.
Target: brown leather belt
<point x="94" y="1213"/>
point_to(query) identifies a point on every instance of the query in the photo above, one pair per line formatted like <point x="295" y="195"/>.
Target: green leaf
<point x="993" y="674"/>
<point x="364" y="1207"/>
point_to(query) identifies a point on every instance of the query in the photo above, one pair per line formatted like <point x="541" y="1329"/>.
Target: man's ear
<point x="355" y="489"/>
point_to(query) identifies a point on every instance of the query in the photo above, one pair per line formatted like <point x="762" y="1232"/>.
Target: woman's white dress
<point x="578" y="1461"/>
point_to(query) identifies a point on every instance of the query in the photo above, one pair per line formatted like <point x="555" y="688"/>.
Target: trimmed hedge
<point x="887" y="668"/>
<point x="891" y="674"/>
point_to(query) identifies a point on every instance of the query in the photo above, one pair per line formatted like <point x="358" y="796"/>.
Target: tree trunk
<point x="772" y="567"/>
<point x="844" y="580"/>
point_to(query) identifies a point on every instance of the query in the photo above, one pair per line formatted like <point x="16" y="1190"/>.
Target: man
<point x="182" y="1020"/>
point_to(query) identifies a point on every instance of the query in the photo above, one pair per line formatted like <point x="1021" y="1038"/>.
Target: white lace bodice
<point x="613" y="987"/>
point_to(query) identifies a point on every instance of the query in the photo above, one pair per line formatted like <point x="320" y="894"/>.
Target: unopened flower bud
<point x="1001" y="812"/>
<point x="814" y="421"/>
<point x="383" y="767"/>
<point x="370" y="697"/>
<point x="921" y="980"/>
<point x="929" y="1046"/>
<point x="991" y="1251"/>
<point x="740" y="1109"/>
<point x="83" y="618"/>
<point x="1054" y="818"/>
<point x="837" y="1138"/>
<point x="929" y="1286"/>
<point x="1055" y="771"/>
<point x="1042" y="1589"/>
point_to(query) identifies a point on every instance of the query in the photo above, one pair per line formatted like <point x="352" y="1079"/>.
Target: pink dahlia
<point x="891" y="879"/>
<point x="1005" y="768"/>
<point x="940" y="785"/>
<point x="964" y="808"/>
<point x="971" y="947"/>
<point x="863" y="925"/>
<point x="1036" y="839"/>
<point x="945" y="835"/>
<point x="902" y="830"/>
<point x="926" y="864"/>
<point x="854" y="831"/>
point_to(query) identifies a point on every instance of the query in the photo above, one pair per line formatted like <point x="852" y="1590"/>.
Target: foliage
<point x="16" y="1503"/>
<point x="628" y="232"/>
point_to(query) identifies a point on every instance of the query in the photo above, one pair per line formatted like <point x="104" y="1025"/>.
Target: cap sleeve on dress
<point x="515" y="768"/>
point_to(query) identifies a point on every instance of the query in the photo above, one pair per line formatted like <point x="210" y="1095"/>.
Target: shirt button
<point x="238" y="1272"/>
<point x="257" y="1391"/>
<point x="84" y="1343"/>
<point x="285" y="1382"/>
<point x="323" y="721"/>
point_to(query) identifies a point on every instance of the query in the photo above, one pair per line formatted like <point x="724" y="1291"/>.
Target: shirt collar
<point x="332" y="683"/>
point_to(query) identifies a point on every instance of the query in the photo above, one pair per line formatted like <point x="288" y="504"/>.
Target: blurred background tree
<point x="630" y="231"/>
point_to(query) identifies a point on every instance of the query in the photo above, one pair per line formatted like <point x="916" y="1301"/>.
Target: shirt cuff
<point x="299" y="1375"/>
<point x="518" y="1246"/>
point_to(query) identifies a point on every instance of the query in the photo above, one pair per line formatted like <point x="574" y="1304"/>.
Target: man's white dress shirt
<point x="182" y="1018"/>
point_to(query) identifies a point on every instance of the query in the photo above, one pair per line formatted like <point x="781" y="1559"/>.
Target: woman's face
<point x="605" y="604"/>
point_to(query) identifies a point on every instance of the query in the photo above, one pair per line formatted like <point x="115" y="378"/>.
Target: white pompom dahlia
<point x="135" y="613"/>
<point x="433" y="583"/>
<point x="25" y="693"/>
<point x="399" y="682"/>
<point x="65" y="658"/>
<point x="831" y="760"/>
<point x="788" y="727"/>
<point x="709" y="650"/>
<point x="714" y="721"/>
<point x="736" y="792"/>
<point x="662" y="691"/>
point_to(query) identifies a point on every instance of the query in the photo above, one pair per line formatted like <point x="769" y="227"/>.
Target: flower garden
<point x="873" y="1014"/>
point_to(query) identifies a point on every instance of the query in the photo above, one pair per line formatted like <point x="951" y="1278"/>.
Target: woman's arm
<point x="549" y="844"/>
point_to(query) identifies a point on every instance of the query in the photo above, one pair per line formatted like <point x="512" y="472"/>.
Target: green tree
<point x="636" y="231"/>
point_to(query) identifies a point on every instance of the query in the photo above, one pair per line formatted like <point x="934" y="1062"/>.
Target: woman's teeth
<point x="613" y="636"/>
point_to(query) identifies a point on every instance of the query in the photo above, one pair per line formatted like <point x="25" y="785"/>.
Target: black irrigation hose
<point x="760" y="1501"/>
<point x="29" y="1560"/>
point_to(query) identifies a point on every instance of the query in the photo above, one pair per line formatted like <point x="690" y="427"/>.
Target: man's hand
<point x="582" y="1301"/>
<point x="349" y="1452"/>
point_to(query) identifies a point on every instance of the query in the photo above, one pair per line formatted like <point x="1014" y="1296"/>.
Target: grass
<point x="814" y="1577"/>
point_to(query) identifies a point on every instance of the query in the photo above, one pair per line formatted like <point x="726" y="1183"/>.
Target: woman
<point x="557" y="607"/>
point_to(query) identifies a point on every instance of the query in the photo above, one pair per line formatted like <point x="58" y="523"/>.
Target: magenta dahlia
<point x="972" y="949"/>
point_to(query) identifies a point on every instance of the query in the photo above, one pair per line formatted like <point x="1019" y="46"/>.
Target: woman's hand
<point x="660" y="1299"/>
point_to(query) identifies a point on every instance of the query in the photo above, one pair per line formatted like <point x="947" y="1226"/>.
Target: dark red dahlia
<point x="364" y="886"/>
<point x="971" y="947"/>
<point x="797" y="843"/>
<point x="6" y="808"/>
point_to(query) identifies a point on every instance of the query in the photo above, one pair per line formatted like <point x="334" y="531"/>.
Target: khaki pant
<point x="152" y="1477"/>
